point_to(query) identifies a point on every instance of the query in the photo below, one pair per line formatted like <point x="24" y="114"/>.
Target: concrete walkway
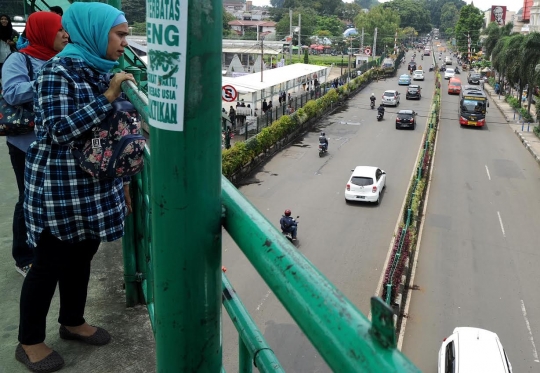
<point x="132" y="346"/>
<point x="524" y="132"/>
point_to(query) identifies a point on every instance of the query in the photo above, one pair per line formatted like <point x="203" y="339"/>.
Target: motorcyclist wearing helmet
<point x="288" y="224"/>
<point x="380" y="109"/>
<point x="372" y="98"/>
<point x="323" y="140"/>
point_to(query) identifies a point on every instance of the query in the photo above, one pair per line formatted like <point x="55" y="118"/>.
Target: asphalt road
<point x="479" y="257"/>
<point x="347" y="242"/>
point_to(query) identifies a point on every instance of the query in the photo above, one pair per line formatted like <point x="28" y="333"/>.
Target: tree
<point x="449" y="18"/>
<point x="348" y="11"/>
<point x="332" y="24"/>
<point x="366" y="4"/>
<point x="135" y="10"/>
<point x="277" y="3"/>
<point x="469" y="24"/>
<point x="494" y="32"/>
<point x="322" y="7"/>
<point x="530" y="58"/>
<point x="227" y="17"/>
<point x="435" y="9"/>
<point x="411" y="14"/>
<point x="308" y="26"/>
<point x="306" y="56"/>
<point x="386" y="20"/>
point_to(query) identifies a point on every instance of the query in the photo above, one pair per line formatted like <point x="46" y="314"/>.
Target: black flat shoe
<point x="51" y="363"/>
<point x="99" y="338"/>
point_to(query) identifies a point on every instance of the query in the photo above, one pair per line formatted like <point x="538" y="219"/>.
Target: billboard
<point x="498" y="14"/>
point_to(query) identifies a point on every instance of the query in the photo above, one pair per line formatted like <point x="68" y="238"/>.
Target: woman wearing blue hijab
<point x="67" y="211"/>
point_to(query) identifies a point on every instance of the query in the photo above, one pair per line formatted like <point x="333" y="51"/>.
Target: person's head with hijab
<point x="56" y="9"/>
<point x="6" y="29"/>
<point x="46" y="35"/>
<point x="98" y="34"/>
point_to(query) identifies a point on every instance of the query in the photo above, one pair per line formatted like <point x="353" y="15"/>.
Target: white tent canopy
<point x="287" y="78"/>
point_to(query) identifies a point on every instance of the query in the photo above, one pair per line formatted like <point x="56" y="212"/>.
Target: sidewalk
<point x="528" y="138"/>
<point x="132" y="346"/>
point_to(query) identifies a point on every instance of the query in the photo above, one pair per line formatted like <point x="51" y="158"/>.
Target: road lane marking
<point x="265" y="298"/>
<point x="502" y="226"/>
<point x="487" y="170"/>
<point x="524" y="311"/>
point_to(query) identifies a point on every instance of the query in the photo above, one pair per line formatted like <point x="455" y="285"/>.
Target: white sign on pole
<point x="166" y="25"/>
<point x="367" y="51"/>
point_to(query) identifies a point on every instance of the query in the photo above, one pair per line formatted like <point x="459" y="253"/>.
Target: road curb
<point x="527" y="145"/>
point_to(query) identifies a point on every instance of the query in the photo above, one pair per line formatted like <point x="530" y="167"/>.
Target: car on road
<point x="411" y="66"/>
<point x="418" y="75"/>
<point x="474" y="78"/>
<point x="454" y="86"/>
<point x="365" y="184"/>
<point x="449" y="73"/>
<point x="473" y="350"/>
<point x="413" y="91"/>
<point x="406" y="119"/>
<point x="390" y="97"/>
<point x="404" y="79"/>
<point x="448" y="60"/>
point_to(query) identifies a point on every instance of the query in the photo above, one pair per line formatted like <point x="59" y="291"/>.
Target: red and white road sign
<point x="367" y="51"/>
<point x="228" y="93"/>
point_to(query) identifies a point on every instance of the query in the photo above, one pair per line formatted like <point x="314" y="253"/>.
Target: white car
<point x="418" y="75"/>
<point x="390" y="97"/>
<point x="365" y="184"/>
<point x="449" y="73"/>
<point x="473" y="350"/>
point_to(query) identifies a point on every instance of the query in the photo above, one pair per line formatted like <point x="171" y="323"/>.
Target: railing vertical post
<point x="184" y="81"/>
<point x="244" y="359"/>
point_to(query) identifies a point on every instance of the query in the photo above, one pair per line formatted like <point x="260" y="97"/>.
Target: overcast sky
<point x="514" y="5"/>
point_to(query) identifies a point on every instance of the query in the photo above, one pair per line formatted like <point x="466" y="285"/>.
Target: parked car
<point x="418" y="75"/>
<point x="474" y="78"/>
<point x="365" y="184"/>
<point x="406" y="119"/>
<point x="390" y="97"/>
<point x="449" y="73"/>
<point x="413" y="91"/>
<point x="454" y="86"/>
<point x="404" y="79"/>
<point x="473" y="350"/>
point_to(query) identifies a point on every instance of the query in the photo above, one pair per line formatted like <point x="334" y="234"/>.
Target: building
<point x="245" y="10"/>
<point x="262" y="28"/>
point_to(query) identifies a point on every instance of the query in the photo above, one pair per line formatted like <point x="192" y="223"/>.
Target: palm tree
<point x="530" y="57"/>
<point x="511" y="52"/>
<point x="494" y="33"/>
<point x="497" y="57"/>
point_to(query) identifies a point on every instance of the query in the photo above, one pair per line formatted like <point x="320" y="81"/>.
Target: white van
<point x="473" y="350"/>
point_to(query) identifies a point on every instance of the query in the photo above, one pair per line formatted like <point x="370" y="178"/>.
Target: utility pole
<point x="395" y="44"/>
<point x="299" y="34"/>
<point x="374" y="51"/>
<point x="262" y="56"/>
<point x="469" y="49"/>
<point x="291" y="35"/>
<point x="349" y="64"/>
<point x="362" y="41"/>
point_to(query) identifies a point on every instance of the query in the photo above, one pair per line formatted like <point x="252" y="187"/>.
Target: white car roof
<point x="390" y="90"/>
<point x="479" y="351"/>
<point x="364" y="171"/>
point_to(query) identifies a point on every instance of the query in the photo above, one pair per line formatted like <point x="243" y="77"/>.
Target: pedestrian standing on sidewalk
<point x="44" y="30"/>
<point x="68" y="212"/>
<point x="8" y="39"/>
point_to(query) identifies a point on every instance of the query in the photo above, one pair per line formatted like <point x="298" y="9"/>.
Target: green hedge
<point x="242" y="153"/>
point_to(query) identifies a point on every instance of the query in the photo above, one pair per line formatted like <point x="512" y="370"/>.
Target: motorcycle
<point x="380" y="115"/>
<point x="457" y="71"/>
<point x="422" y="57"/>
<point x="288" y="235"/>
<point x="323" y="148"/>
<point x="372" y="105"/>
<point x="431" y="68"/>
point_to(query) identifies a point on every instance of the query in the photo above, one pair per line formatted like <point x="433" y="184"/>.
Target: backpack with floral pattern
<point x="116" y="148"/>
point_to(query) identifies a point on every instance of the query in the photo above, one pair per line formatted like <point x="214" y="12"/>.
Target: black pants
<point x="22" y="253"/>
<point x="56" y="262"/>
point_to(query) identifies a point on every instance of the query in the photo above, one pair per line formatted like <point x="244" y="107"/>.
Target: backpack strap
<point x="28" y="64"/>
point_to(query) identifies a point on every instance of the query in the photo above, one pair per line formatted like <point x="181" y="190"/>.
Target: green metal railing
<point x="172" y="242"/>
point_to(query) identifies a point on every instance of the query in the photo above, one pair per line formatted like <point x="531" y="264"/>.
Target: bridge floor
<point x="132" y="346"/>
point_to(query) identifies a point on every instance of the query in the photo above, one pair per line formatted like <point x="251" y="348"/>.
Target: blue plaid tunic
<point x="59" y="195"/>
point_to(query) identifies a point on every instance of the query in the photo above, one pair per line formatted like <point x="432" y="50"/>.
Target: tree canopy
<point x="385" y="19"/>
<point x="435" y="9"/>
<point x="412" y="13"/>
<point x="470" y="22"/>
<point x="449" y="18"/>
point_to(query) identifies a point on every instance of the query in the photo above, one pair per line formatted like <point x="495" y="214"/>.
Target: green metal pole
<point x="184" y="91"/>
